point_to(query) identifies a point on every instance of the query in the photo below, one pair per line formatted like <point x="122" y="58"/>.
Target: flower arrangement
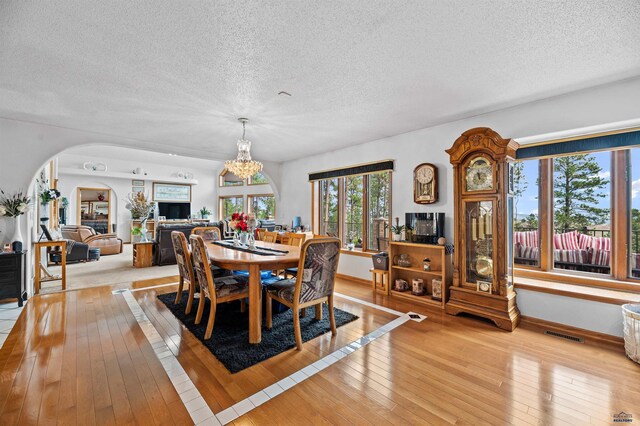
<point x="204" y="212"/>
<point x="239" y="222"/>
<point x="47" y="194"/>
<point x="13" y="205"/>
<point x="140" y="206"/>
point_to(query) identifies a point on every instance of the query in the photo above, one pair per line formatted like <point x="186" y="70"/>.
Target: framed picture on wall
<point x="137" y="182"/>
<point x="171" y="192"/>
<point x="137" y="189"/>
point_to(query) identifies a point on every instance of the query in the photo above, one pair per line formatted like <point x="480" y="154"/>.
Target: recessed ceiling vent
<point x="564" y="336"/>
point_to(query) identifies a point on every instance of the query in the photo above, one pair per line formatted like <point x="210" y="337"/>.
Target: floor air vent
<point x="564" y="336"/>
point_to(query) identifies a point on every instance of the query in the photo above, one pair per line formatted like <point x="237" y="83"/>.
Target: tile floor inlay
<point x="9" y="313"/>
<point x="195" y="404"/>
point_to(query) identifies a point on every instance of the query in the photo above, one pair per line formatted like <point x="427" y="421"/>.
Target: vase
<point x="44" y="211"/>
<point x="143" y="226"/>
<point x="17" y="231"/>
<point x="244" y="238"/>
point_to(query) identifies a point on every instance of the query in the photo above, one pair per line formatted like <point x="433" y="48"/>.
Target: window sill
<point x="615" y="297"/>
<point x="577" y="278"/>
<point x="356" y="253"/>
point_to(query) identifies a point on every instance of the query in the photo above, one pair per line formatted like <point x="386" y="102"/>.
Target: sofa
<point x="163" y="249"/>
<point x="107" y="243"/>
<point x="571" y="250"/>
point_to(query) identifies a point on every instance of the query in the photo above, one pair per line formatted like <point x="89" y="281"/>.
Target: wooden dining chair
<point x="319" y="261"/>
<point x="208" y="233"/>
<point x="270" y="237"/>
<point x="220" y="290"/>
<point x="260" y="233"/>
<point x="296" y="240"/>
<point x="185" y="268"/>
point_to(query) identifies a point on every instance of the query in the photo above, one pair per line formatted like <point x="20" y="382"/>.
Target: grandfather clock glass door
<point x="479" y="244"/>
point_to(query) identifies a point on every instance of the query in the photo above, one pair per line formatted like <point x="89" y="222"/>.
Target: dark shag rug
<point x="230" y="339"/>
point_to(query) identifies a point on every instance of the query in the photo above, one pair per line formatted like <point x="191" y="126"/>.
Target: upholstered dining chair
<point x="208" y="233"/>
<point x="294" y="240"/>
<point x="270" y="237"/>
<point x="220" y="290"/>
<point x="319" y="261"/>
<point x="185" y="268"/>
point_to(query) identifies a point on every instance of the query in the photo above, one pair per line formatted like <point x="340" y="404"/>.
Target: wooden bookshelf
<point x="441" y="267"/>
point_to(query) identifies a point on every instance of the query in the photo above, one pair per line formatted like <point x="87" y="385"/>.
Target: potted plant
<point x="47" y="194"/>
<point x="397" y="229"/>
<point x="137" y="232"/>
<point x="205" y="213"/>
<point x="408" y="233"/>
<point x="140" y="208"/>
<point x="240" y="228"/>
<point x="351" y="244"/>
<point x="14" y="206"/>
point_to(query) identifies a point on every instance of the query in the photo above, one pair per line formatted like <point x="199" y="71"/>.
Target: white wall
<point x="202" y="194"/>
<point x="597" y="106"/>
<point x="601" y="317"/>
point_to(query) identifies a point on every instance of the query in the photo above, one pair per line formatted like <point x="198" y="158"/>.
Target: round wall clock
<point x="425" y="184"/>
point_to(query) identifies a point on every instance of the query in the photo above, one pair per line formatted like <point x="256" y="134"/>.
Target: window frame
<point x="221" y="199"/>
<point x="619" y="277"/>
<point x="317" y="202"/>
<point x="221" y="180"/>
<point x="250" y="204"/>
<point x="251" y="183"/>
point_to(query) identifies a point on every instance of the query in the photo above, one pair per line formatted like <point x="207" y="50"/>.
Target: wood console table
<point x="40" y="268"/>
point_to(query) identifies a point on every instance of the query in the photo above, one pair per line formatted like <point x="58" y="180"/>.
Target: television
<point x="427" y="227"/>
<point x="174" y="210"/>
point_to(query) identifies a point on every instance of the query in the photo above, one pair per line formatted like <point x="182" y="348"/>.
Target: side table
<point x="143" y="254"/>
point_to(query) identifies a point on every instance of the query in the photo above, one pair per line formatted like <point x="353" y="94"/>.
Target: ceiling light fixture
<point x="243" y="166"/>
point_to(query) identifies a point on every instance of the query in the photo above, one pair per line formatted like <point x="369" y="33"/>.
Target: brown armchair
<point x="107" y="243"/>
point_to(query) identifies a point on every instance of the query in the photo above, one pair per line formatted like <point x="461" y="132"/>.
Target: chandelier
<point x="243" y="166"/>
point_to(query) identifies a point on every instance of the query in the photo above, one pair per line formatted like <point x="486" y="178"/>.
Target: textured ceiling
<point x="178" y="74"/>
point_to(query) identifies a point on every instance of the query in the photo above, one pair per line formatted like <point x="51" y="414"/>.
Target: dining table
<point x="238" y="258"/>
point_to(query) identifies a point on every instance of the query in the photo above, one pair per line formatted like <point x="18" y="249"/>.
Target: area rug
<point x="230" y="339"/>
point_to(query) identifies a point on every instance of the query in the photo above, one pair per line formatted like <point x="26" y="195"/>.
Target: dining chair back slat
<point x="208" y="233"/>
<point x="185" y="267"/>
<point x="317" y="269"/>
<point x="202" y="267"/>
<point x="270" y="237"/>
<point x="260" y="233"/>
<point x="296" y="239"/>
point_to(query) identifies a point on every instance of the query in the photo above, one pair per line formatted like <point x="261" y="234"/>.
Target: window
<point x="229" y="205"/>
<point x="356" y="209"/>
<point x="582" y="212"/>
<point x="578" y="214"/>
<point x="634" y="213"/>
<point x="229" y="179"/>
<point x="526" y="236"/>
<point x="378" y="211"/>
<point x="329" y="207"/>
<point x="353" y="208"/>
<point x="258" y="179"/>
<point x="262" y="206"/>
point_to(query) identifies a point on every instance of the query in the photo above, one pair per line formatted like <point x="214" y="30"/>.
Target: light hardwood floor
<point x="80" y="357"/>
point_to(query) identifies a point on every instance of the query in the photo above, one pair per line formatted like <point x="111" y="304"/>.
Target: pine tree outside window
<point x="357" y="210"/>
<point x="587" y="218"/>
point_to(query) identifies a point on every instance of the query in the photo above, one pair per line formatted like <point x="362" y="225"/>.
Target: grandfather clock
<point x="483" y="258"/>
